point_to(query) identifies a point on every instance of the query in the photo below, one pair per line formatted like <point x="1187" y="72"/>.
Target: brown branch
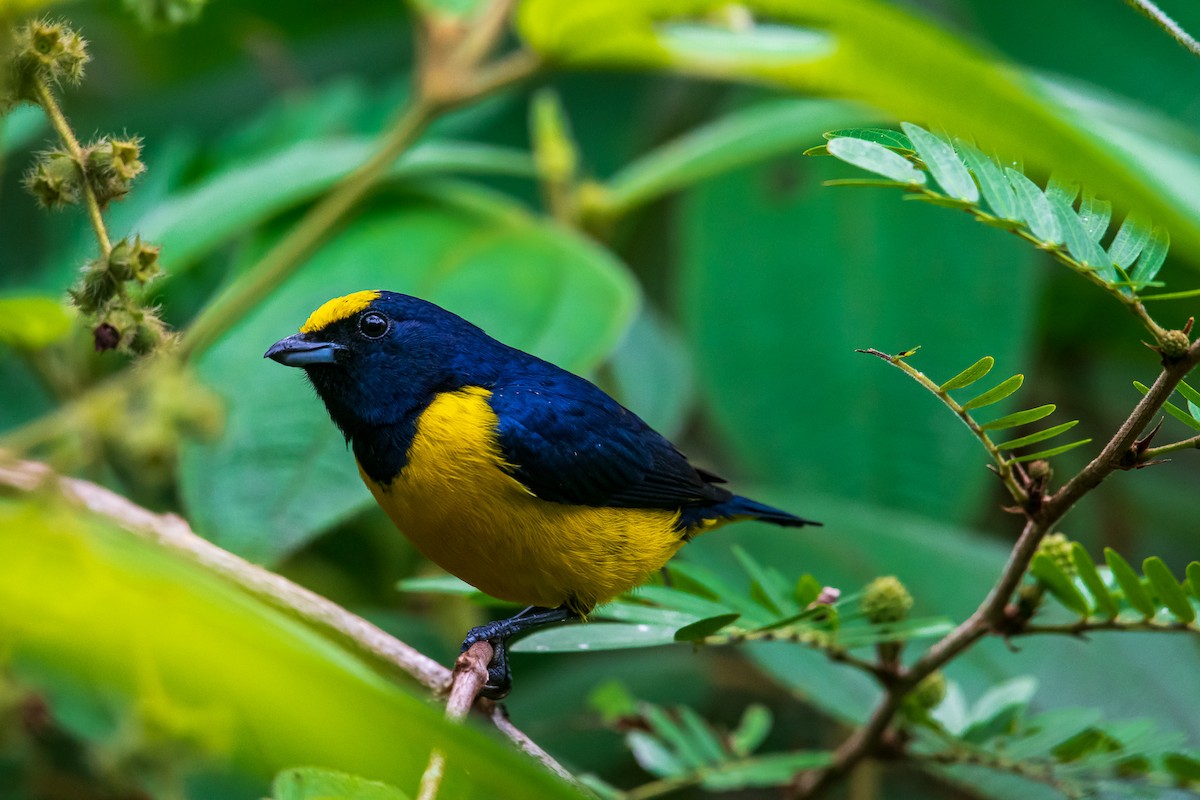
<point x="174" y="534"/>
<point x="470" y="674"/>
<point x="1085" y="626"/>
<point x="986" y="619"/>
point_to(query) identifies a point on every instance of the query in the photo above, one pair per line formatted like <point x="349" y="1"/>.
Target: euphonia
<point x="525" y="480"/>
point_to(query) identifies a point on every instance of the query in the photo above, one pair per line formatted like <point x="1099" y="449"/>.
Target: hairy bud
<point x="886" y="600"/>
<point x="49" y="51"/>
<point x="1174" y="345"/>
<point x="1057" y="547"/>
<point x="55" y="179"/>
<point x="930" y="692"/>
<point x="112" y="164"/>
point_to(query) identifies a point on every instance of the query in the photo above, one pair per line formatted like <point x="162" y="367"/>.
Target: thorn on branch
<point x="1134" y="457"/>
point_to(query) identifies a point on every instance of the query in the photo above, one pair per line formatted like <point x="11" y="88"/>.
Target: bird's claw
<point x="499" y="680"/>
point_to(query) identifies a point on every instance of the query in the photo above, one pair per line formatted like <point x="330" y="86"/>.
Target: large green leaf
<point x="94" y="617"/>
<point x="281" y="473"/>
<point x="782" y="281"/>
<point x="862" y="50"/>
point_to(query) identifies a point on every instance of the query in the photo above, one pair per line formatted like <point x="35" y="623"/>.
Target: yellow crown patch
<point x="337" y="309"/>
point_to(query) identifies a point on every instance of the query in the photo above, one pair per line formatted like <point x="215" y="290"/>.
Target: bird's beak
<point x="300" y="351"/>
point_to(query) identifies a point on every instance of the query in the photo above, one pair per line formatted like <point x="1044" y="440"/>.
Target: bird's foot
<point x="499" y="680"/>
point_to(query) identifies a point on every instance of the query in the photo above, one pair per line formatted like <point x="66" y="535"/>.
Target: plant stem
<point x="1086" y="626"/>
<point x="67" y="137"/>
<point x="1160" y="18"/>
<point x="1174" y="447"/>
<point x="289" y="254"/>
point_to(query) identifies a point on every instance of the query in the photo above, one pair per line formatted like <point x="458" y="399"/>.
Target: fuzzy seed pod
<point x="112" y="164"/>
<point x="886" y="600"/>
<point x="930" y="692"/>
<point x="55" y="180"/>
<point x="49" y="51"/>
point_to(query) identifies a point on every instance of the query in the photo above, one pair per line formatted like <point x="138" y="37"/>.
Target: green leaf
<point x="1053" y="451"/>
<point x="876" y="158"/>
<point x="594" y="636"/>
<point x="1183" y="766"/>
<point x="1152" y="257"/>
<point x="807" y="590"/>
<point x="312" y="783"/>
<point x="1035" y="209"/>
<point x="751" y="730"/>
<point x="1019" y="418"/>
<point x="653" y="756"/>
<point x="1168" y="590"/>
<point x="701" y="736"/>
<point x="1193" y="578"/>
<point x="281" y="474"/>
<point x="943" y="164"/>
<point x="884" y="136"/>
<point x="775" y="769"/>
<point x="623" y="611"/>
<point x="1092" y="580"/>
<point x="996" y="393"/>
<point x="996" y="710"/>
<point x="1172" y="409"/>
<point x="691" y="753"/>
<point x="244" y="682"/>
<point x="704" y="627"/>
<point x="1040" y="436"/>
<point x="1051" y="575"/>
<point x="747" y="135"/>
<point x="1083" y="248"/>
<point x="1095" y="215"/>
<point x="890" y="59"/>
<point x="1132" y="236"/>
<point x="996" y="189"/>
<point x="190" y="224"/>
<point x="969" y="375"/>
<point x="1061" y="190"/>
<point x="33" y="322"/>
<point x="774" y="589"/>
<point x="1135" y="593"/>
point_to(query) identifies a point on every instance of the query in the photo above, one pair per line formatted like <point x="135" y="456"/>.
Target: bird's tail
<point x="738" y="507"/>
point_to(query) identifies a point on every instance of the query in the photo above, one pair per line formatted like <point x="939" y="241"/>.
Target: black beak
<point x="299" y="351"/>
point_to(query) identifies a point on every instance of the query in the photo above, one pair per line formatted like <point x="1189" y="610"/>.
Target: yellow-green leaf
<point x="969" y="375"/>
<point x="1053" y="451"/>
<point x="1050" y="574"/>
<point x="1040" y="436"/>
<point x="31" y="323"/>
<point x="1169" y="592"/>
<point x="1135" y="593"/>
<point x="1092" y="580"/>
<point x="1193" y="578"/>
<point x="1019" y="418"/>
<point x="996" y="393"/>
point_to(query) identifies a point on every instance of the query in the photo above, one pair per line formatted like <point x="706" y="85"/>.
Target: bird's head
<point x="375" y="356"/>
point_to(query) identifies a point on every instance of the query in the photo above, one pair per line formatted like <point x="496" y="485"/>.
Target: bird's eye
<point x="373" y="325"/>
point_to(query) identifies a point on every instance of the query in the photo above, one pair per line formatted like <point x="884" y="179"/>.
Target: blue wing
<point x="569" y="442"/>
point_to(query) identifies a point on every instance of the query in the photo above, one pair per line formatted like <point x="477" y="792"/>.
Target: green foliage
<point x="309" y="783"/>
<point x="680" y="748"/>
<point x="1118" y="595"/>
<point x="1073" y="750"/>
<point x="1049" y="219"/>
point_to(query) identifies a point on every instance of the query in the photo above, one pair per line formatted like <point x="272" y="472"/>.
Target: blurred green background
<point x="726" y="314"/>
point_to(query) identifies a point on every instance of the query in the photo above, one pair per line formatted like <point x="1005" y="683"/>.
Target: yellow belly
<point x="464" y="512"/>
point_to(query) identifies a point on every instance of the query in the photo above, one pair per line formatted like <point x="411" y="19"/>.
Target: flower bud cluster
<point x="1057" y="547"/>
<point x="886" y="600"/>
<point x="42" y="50"/>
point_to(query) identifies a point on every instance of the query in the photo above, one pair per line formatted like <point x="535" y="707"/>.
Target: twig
<point x="1150" y="10"/>
<point x="173" y="533"/>
<point x="1152" y="453"/>
<point x="67" y="136"/>
<point x="1086" y="626"/>
<point x="470" y="674"/>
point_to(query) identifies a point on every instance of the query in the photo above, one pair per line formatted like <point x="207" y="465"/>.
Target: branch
<point x="470" y="674"/>
<point x="174" y="534"/>
<point x="1148" y="9"/>
<point x="1085" y="626"/>
<point x="866" y="740"/>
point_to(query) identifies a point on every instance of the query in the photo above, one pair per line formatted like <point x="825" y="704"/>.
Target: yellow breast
<point x="463" y="511"/>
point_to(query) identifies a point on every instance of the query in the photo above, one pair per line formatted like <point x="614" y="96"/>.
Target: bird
<point x="521" y="478"/>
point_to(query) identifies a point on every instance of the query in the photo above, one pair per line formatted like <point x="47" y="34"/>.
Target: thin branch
<point x="1086" y="626"/>
<point x="174" y="534"/>
<point x="1152" y="453"/>
<point x="470" y="674"/>
<point x="67" y="136"/>
<point x="1160" y="18"/>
